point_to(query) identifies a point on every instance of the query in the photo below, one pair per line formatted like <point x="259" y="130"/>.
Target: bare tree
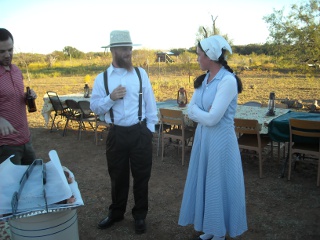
<point x="214" y="24"/>
<point x="204" y="32"/>
<point x="51" y="59"/>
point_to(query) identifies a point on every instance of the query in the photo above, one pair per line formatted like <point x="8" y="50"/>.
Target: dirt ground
<point x="276" y="208"/>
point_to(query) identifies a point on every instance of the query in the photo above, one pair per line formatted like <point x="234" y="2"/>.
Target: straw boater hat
<point x="213" y="46"/>
<point x="120" y="38"/>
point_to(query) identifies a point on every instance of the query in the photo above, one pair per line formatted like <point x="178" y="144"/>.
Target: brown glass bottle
<point x="31" y="103"/>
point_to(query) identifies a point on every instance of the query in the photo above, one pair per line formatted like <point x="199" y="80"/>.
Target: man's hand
<point x="6" y="128"/>
<point x="118" y="93"/>
<point x="33" y="93"/>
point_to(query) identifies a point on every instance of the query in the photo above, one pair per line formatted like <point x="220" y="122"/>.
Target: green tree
<point x="296" y="36"/>
<point x="251" y="48"/>
<point x="92" y="55"/>
<point x="178" y="51"/>
<point x="187" y="57"/>
<point x="59" y="55"/>
<point x="25" y="59"/>
<point x="143" y="57"/>
<point x="72" y="52"/>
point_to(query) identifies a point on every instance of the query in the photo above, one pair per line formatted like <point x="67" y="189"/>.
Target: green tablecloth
<point x="278" y="128"/>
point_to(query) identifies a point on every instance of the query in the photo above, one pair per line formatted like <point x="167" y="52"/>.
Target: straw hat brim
<point x="121" y="45"/>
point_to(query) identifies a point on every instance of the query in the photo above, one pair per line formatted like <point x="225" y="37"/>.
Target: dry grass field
<point x="276" y="208"/>
<point x="257" y="86"/>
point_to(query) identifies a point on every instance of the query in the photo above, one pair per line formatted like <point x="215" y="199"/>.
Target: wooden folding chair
<point x="177" y="135"/>
<point x="249" y="138"/>
<point x="305" y="139"/>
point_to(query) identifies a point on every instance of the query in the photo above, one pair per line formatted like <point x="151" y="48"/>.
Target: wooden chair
<point x="59" y="109"/>
<point x="177" y="135"/>
<point x="308" y="129"/>
<point x="249" y="138"/>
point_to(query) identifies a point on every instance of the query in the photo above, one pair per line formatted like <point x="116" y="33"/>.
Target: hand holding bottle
<point x="32" y="93"/>
<point x="30" y="99"/>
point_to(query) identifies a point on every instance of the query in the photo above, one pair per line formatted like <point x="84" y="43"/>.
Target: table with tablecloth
<point x="279" y="129"/>
<point x="260" y="114"/>
<point x="243" y="112"/>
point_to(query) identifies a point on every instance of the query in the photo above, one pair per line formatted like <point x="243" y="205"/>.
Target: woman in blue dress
<point x="214" y="194"/>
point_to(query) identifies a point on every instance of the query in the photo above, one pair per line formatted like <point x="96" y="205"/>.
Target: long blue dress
<point x="214" y="193"/>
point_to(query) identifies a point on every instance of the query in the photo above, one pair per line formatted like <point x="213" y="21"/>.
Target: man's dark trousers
<point x="129" y="148"/>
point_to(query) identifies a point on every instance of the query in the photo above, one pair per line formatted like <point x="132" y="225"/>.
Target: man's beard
<point x="122" y="63"/>
<point x="6" y="62"/>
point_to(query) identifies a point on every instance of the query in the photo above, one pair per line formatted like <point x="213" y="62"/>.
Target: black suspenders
<point x="105" y="77"/>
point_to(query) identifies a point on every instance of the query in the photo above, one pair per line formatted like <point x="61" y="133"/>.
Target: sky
<point x="44" y="26"/>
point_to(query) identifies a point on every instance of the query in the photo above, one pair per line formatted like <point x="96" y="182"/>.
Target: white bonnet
<point x="212" y="46"/>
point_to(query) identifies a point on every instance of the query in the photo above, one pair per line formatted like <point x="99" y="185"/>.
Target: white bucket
<point x="51" y="226"/>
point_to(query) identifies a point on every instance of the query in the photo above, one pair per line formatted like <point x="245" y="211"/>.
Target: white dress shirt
<point x="125" y="111"/>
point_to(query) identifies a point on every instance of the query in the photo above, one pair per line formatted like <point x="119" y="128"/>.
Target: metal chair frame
<point x="73" y="114"/>
<point x="59" y="109"/>
<point x="86" y="116"/>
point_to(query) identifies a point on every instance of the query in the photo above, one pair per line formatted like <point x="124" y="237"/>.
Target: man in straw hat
<point x="124" y="96"/>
